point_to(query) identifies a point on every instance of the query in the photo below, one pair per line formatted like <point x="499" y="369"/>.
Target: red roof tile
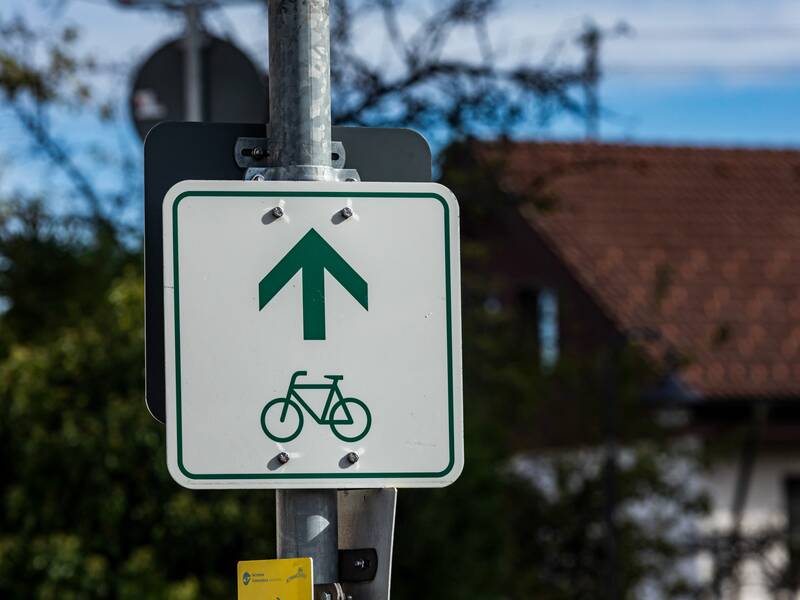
<point x="701" y="244"/>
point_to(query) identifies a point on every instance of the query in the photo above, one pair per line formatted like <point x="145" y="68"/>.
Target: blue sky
<point x="710" y="72"/>
<point x="689" y="71"/>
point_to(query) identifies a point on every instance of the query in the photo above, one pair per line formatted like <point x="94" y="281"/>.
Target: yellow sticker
<point x="279" y="579"/>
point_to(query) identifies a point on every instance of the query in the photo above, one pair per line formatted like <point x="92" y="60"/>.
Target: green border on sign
<point x="337" y="475"/>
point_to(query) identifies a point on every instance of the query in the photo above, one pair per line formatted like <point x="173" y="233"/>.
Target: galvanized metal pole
<point x="299" y="148"/>
<point x="299" y="140"/>
<point x="193" y="63"/>
<point x="307" y="525"/>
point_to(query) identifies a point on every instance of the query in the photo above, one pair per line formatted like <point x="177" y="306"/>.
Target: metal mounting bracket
<point x="366" y="521"/>
<point x="250" y="153"/>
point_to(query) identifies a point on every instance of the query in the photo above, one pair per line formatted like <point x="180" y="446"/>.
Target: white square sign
<point x="312" y="334"/>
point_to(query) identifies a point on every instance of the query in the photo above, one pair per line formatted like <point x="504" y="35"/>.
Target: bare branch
<point x="34" y="124"/>
<point x="426" y="90"/>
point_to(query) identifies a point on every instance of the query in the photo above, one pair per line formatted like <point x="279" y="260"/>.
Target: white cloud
<point x="731" y="39"/>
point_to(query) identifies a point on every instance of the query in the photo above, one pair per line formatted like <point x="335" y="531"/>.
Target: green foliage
<point x="48" y="263"/>
<point x="87" y="508"/>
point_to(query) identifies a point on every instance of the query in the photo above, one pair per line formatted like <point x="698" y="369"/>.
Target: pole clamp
<point x="250" y="153"/>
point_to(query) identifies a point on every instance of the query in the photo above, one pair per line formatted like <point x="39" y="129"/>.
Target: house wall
<point x="765" y="510"/>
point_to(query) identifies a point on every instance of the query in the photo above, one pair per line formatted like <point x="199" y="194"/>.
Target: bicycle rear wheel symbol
<point x="282" y="418"/>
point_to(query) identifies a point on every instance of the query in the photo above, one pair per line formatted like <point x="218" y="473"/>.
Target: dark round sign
<point x="233" y="89"/>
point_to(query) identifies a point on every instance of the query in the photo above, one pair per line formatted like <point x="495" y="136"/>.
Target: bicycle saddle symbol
<point x="282" y="418"/>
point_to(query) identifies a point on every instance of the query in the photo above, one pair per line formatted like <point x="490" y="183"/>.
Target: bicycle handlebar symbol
<point x="349" y="418"/>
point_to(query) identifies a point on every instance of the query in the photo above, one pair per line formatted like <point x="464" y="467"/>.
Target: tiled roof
<point x="699" y="244"/>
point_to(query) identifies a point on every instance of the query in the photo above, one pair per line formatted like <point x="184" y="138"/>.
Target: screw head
<point x="360" y="563"/>
<point x="352" y="457"/>
<point x="258" y="177"/>
<point x="257" y="153"/>
<point x="277" y="212"/>
<point x="346" y="212"/>
<point x="283" y="458"/>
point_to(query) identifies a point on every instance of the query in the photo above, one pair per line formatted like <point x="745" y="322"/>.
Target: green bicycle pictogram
<point x="281" y="426"/>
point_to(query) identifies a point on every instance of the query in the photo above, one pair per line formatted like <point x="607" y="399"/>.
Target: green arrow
<point x="313" y="256"/>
